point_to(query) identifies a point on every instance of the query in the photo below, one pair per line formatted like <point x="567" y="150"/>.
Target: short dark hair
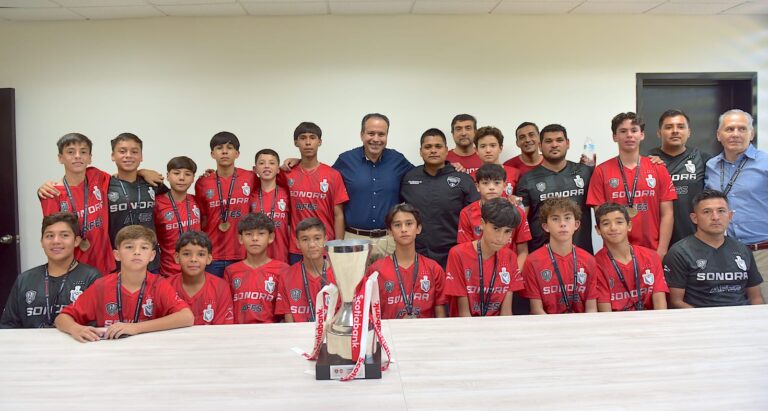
<point x="135" y="232"/>
<point x="553" y="128"/>
<point x="526" y="124"/>
<point x="672" y="113"/>
<point x="464" y="117"/>
<point x="61" y="217"/>
<point x="73" y="138"/>
<point x="307" y="127"/>
<point x="493" y="172"/>
<point x="225" y="137"/>
<point x="370" y="116"/>
<point x="197" y="238"/>
<point x="432" y="132"/>
<point x="501" y="213"/>
<point x="126" y="137"/>
<point x="309" y="223"/>
<point x="621" y="117"/>
<point x="258" y="221"/>
<point x="266" y="152"/>
<point x="550" y="205"/>
<point x="607" y="208"/>
<point x="182" y="162"/>
<point x="402" y="208"/>
<point x="708" y="194"/>
<point x="489" y="131"/>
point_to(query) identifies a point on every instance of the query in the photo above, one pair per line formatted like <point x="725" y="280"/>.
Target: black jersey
<point x="711" y="277"/>
<point x="571" y="182"/>
<point x="26" y="307"/>
<point x="687" y="172"/>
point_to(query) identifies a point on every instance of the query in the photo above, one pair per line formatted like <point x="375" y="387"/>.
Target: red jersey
<point x="470" y="229"/>
<point x="541" y="281"/>
<point x="517" y="163"/>
<point x="99" y="304"/>
<point x="99" y="254"/>
<point x="254" y="290"/>
<point x="428" y="290"/>
<point x="314" y="194"/>
<point x="168" y="226"/>
<point x="510" y="185"/>
<point x="277" y="208"/>
<point x="462" y="278"/>
<point x="654" y="186"/>
<point x="226" y="245"/>
<point x="292" y="296"/>
<point x="471" y="162"/>
<point x="212" y="305"/>
<point x="612" y="290"/>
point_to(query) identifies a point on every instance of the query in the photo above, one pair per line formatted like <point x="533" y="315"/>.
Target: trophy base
<point x="333" y="367"/>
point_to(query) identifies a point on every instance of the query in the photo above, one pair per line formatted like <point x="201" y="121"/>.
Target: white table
<point x="682" y="359"/>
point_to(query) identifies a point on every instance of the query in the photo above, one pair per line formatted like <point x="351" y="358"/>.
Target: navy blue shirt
<point x="373" y="188"/>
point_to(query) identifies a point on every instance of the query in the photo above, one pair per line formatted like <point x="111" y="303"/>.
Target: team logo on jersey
<point x="651" y="181"/>
<point x="236" y="283"/>
<point x="614" y="182"/>
<point x="509" y="189"/>
<point x="741" y="263"/>
<point x="74" y="294"/>
<point x="151" y="192"/>
<point x="281" y="204"/>
<point x="295" y="294"/>
<point x="196" y="211"/>
<point x="504" y="275"/>
<point x="541" y="186"/>
<point x="579" y="181"/>
<point x="648" y="277"/>
<point x="208" y="314"/>
<point x="453" y="181"/>
<point x="97" y="193"/>
<point x="467" y="274"/>
<point x="701" y="263"/>
<point x="111" y="308"/>
<point x="209" y="193"/>
<point x="269" y="285"/>
<point x="246" y="189"/>
<point x="581" y="276"/>
<point x="324" y="186"/>
<point x="690" y="167"/>
<point x="148" y="308"/>
<point x="290" y="182"/>
<point x="168" y="216"/>
<point x="425" y="284"/>
<point x="64" y="206"/>
<point x="389" y="286"/>
<point x="477" y="229"/>
<point x="113" y="196"/>
<point x="546" y="275"/>
<point x="29" y="296"/>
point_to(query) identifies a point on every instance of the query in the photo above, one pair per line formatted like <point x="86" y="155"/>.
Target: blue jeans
<point x="217" y="267"/>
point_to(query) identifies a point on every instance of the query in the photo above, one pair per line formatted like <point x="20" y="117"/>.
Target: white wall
<point x="175" y="82"/>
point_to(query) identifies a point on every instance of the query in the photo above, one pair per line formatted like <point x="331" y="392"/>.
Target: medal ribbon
<point x="48" y="305"/>
<point x="406" y="301"/>
<point x="735" y="175"/>
<point x="138" y="304"/>
<point x="274" y="201"/>
<point x="485" y="300"/>
<point x="323" y="281"/>
<point x="366" y="305"/>
<point x="630" y="198"/>
<point x="178" y="216"/>
<point x="131" y="209"/>
<point x="224" y="213"/>
<point x="74" y="205"/>
<point x="639" y="305"/>
<point x="568" y="302"/>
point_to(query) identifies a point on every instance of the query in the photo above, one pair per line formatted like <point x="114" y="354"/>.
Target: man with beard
<point x="463" y="128"/>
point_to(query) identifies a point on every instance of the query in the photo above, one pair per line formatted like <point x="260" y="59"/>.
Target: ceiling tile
<point x="750" y="7"/>
<point x="371" y="7"/>
<point x="100" y="3"/>
<point x="535" y="7"/>
<point x="120" y="12"/>
<point x="454" y="6"/>
<point x="690" y="8"/>
<point x="285" y="8"/>
<point x="27" y="3"/>
<point x="623" y="7"/>
<point x="203" y="10"/>
<point x="39" y="14"/>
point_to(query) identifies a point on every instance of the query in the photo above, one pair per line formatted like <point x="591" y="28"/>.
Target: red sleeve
<point x="603" y="290"/>
<point x="168" y="301"/>
<point x="668" y="191"/>
<point x="513" y="177"/>
<point x="83" y="310"/>
<point x="49" y="205"/>
<point x="464" y="233"/>
<point x="455" y="284"/>
<point x="523" y="230"/>
<point x="596" y="193"/>
<point x="592" y="291"/>
<point x="659" y="282"/>
<point x="282" y="306"/>
<point x="340" y="195"/>
<point x="224" y="305"/>
<point x="531" y="287"/>
<point x="202" y="203"/>
<point x="439" y="278"/>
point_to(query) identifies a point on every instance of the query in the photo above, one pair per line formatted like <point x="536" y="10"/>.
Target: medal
<point x="85" y="245"/>
<point x="225" y="204"/>
<point x="632" y="211"/>
<point x="223" y="227"/>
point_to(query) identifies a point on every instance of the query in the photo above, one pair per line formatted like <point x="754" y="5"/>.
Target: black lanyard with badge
<point x="567" y="301"/>
<point x="310" y="297"/>
<point x="631" y="209"/>
<point x="131" y="208"/>
<point x="84" y="243"/>
<point x="224" y="213"/>
<point x="485" y="300"/>
<point x="735" y="175"/>
<point x="274" y="201"/>
<point x="408" y="300"/>
<point x="178" y="216"/>
<point x="639" y="304"/>
<point x="138" y="303"/>
<point x="48" y="306"/>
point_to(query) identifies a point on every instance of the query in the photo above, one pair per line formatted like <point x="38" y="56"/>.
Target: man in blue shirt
<point x="741" y="173"/>
<point x="372" y="175"/>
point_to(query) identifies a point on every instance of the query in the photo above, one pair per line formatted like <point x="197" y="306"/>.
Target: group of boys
<point x="226" y="249"/>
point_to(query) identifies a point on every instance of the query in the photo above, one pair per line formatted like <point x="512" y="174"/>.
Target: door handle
<point x="8" y="239"/>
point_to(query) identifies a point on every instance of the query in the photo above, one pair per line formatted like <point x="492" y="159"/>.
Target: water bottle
<point x="589" y="156"/>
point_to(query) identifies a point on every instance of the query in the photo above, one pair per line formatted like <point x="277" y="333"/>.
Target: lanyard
<point x="178" y="216"/>
<point x="735" y="175"/>
<point x="408" y="301"/>
<point x="128" y="199"/>
<point x="224" y="213"/>
<point x="639" y="304"/>
<point x="323" y="281"/>
<point x="74" y="205"/>
<point x="568" y="302"/>
<point x="274" y="201"/>
<point x="138" y="303"/>
<point x="48" y="305"/>
<point x="630" y="196"/>
<point x="485" y="300"/>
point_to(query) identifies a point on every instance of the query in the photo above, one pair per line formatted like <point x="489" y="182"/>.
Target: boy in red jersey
<point x="634" y="181"/>
<point x="255" y="280"/>
<point x="410" y="285"/>
<point x="272" y="200"/>
<point x="176" y="212"/>
<point x="131" y="302"/>
<point x="626" y="271"/>
<point x="482" y="274"/>
<point x="560" y="277"/>
<point x="207" y="295"/>
<point x="490" y="183"/>
<point x="224" y="199"/>
<point x="83" y="191"/>
<point x="301" y="283"/>
<point x="489" y="142"/>
<point x="316" y="189"/>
